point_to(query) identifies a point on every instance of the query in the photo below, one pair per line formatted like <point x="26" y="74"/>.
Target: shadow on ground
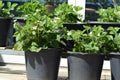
<point x="2" y="61"/>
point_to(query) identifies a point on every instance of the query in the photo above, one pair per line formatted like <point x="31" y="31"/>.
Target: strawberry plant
<point x="109" y="14"/>
<point x="40" y="32"/>
<point x="68" y="13"/>
<point x="87" y="40"/>
<point x="113" y="45"/>
<point x="32" y="7"/>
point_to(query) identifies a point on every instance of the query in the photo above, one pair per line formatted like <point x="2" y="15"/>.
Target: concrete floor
<point x="17" y="72"/>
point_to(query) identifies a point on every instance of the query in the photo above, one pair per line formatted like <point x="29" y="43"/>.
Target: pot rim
<point x="107" y="23"/>
<point x="5" y="17"/>
<point x="81" y="53"/>
<point x="115" y="53"/>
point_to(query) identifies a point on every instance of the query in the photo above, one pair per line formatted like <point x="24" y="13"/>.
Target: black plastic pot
<point x="84" y="67"/>
<point x="115" y="65"/>
<point x="20" y="20"/>
<point x="74" y="26"/>
<point x="10" y="39"/>
<point x="105" y="25"/>
<point x="43" y="65"/>
<point x="4" y="28"/>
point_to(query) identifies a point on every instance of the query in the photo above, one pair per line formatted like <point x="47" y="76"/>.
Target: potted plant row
<point x="5" y="21"/>
<point x="35" y="12"/>
<point x="40" y="37"/>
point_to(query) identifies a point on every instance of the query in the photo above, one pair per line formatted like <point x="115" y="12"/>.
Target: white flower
<point x="15" y="20"/>
<point x="34" y="27"/>
<point x="26" y="15"/>
<point x="98" y="34"/>
<point x="37" y="10"/>
<point x="91" y="32"/>
<point x="69" y="33"/>
<point x="38" y="21"/>
<point x="33" y="32"/>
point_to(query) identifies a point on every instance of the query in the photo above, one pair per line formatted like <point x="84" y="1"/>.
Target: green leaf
<point x="1" y="5"/>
